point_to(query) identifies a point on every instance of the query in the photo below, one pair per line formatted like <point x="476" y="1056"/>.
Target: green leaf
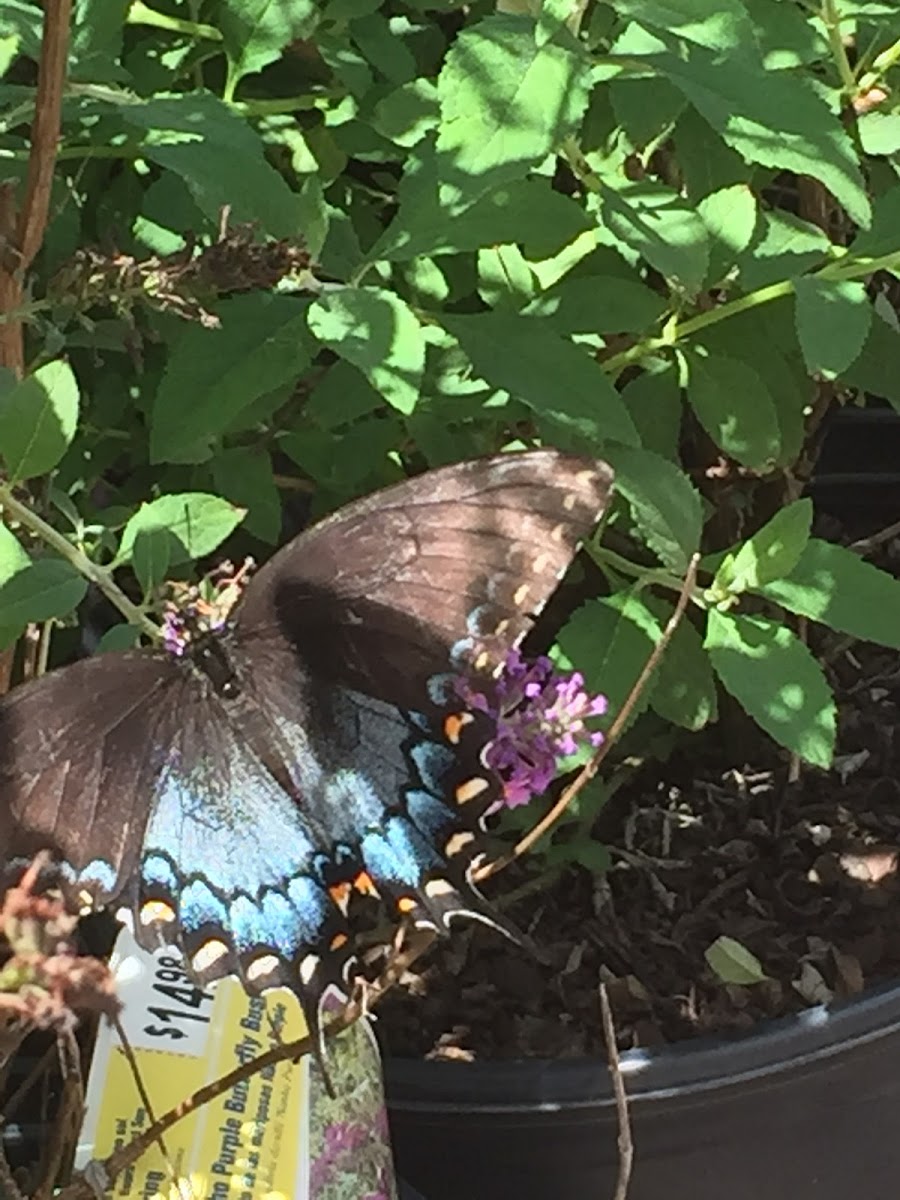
<point x="733" y="405"/>
<point x="875" y="370"/>
<point x="784" y="248"/>
<point x="733" y="963"/>
<point x="243" y="475"/>
<point x="120" y="637"/>
<point x="255" y="32"/>
<point x="219" y="156"/>
<point x="569" y="393"/>
<point x="659" y="225"/>
<point x="835" y="586"/>
<point x="720" y="26"/>
<point x="609" y="641"/>
<point x="775" y="678"/>
<point x="13" y="557"/>
<point x="194" y="523"/>
<point x="341" y="396"/>
<point x="745" y="103"/>
<point x="506" y="103"/>
<point x="879" y="132"/>
<point x="150" y="557"/>
<point x="383" y="49"/>
<point x="833" y="322"/>
<point x="665" y="506"/>
<point x="770" y="553"/>
<point x="213" y="375"/>
<point x="526" y="211"/>
<point x="884" y="235"/>
<point x="405" y="115"/>
<point x="683" y="690"/>
<point x="730" y="219"/>
<point x="38" y="419"/>
<point x="653" y="399"/>
<point x="598" y="304"/>
<point x="377" y="332"/>
<point x="48" y="588"/>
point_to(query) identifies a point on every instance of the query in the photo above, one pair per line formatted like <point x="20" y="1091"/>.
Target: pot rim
<point x="787" y="1044"/>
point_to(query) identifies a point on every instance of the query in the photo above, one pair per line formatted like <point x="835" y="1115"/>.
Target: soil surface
<point x="726" y="837"/>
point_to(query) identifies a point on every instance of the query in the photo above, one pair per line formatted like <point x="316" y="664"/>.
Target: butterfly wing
<point x="77" y="753"/>
<point x="355" y="632"/>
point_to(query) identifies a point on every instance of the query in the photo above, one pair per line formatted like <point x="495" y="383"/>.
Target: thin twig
<point x="589" y="770"/>
<point x="45" y="130"/>
<point x="624" y="1140"/>
<point x="866" y="545"/>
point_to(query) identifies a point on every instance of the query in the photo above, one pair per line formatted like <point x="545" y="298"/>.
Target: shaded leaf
<point x="664" y="503"/>
<point x="770" y="553"/>
<point x="194" y="524"/>
<point x="775" y="678"/>
<point x="377" y="332"/>
<point x="38" y="418"/>
<point x="733" y="405"/>
<point x="833" y="322"/>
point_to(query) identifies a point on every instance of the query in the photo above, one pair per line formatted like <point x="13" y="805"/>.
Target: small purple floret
<point x="540" y="714"/>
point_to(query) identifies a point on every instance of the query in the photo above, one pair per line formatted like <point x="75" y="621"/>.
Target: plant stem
<point x="97" y="575"/>
<point x="140" y="14"/>
<point x="831" y="18"/>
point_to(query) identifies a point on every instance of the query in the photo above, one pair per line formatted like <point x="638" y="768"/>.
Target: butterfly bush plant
<point x="279" y="257"/>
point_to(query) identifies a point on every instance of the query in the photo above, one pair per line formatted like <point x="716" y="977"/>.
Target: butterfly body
<point x="240" y="799"/>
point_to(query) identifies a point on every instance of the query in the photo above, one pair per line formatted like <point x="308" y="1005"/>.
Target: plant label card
<point x="274" y="1136"/>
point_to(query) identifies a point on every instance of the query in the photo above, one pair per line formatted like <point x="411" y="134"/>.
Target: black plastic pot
<point x="807" y="1108"/>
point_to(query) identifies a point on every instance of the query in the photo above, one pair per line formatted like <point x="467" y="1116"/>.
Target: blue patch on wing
<point x="200" y="906"/>
<point x="99" y="875"/>
<point x="432" y="817"/>
<point x="433" y="761"/>
<point x="399" y="855"/>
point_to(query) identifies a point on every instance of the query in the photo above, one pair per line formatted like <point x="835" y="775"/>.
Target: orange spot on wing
<point x="339" y="941"/>
<point x="365" y="884"/>
<point x="406" y="904"/>
<point x="453" y="725"/>
<point x="340" y="894"/>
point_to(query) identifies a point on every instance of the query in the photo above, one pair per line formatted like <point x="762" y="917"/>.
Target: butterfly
<point x="236" y="799"/>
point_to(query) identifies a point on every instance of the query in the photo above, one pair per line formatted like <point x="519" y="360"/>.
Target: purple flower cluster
<point x="540" y="715"/>
<point x="184" y="619"/>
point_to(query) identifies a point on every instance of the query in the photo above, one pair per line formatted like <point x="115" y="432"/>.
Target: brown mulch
<point x="803" y="874"/>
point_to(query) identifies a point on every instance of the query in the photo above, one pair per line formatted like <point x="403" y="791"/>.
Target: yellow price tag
<point x="274" y="1136"/>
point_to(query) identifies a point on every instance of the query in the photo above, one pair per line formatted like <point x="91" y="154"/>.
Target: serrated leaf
<point x="733" y="405"/>
<point x="150" y="557"/>
<point x="569" y="393"/>
<point x="833" y="322"/>
<point x="770" y="553"/>
<point x="882" y="236"/>
<point x="730" y="218"/>
<point x="733" y="963"/>
<point x="875" y="369"/>
<point x="195" y="523"/>
<point x="835" y="586"/>
<point x="405" y="115"/>
<point x="506" y="103"/>
<point x="654" y="221"/>
<point x="214" y="375"/>
<point x="785" y="247"/>
<point x="48" y="588"/>
<point x="744" y="103"/>
<point x="664" y="503"/>
<point x="776" y="680"/>
<point x="377" y="332"/>
<point x="38" y="419"/>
